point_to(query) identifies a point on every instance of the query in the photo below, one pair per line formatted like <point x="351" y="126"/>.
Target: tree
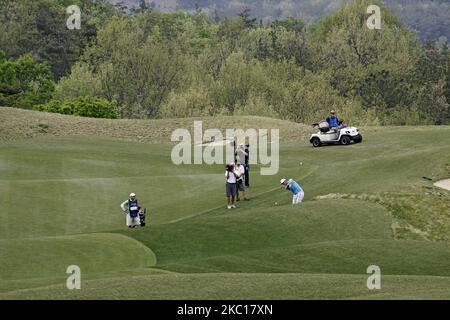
<point x="178" y="64"/>
<point x="245" y="16"/>
<point x="144" y="6"/>
<point x="82" y="82"/>
<point x="24" y="83"/>
<point x="375" y="66"/>
<point x="39" y="28"/>
<point x="136" y="66"/>
<point x="290" y="24"/>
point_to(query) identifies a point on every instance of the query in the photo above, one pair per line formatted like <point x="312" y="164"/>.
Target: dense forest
<point x="430" y="18"/>
<point x="143" y="63"/>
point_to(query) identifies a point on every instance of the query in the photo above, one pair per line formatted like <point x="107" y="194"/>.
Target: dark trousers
<point x="246" y="175"/>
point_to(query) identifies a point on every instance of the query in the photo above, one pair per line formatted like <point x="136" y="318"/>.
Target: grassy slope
<point x="70" y="186"/>
<point x="45" y="256"/>
<point x="18" y="124"/>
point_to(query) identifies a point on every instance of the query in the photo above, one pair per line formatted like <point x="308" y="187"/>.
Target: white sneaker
<point x="229" y="207"/>
<point x="233" y="206"/>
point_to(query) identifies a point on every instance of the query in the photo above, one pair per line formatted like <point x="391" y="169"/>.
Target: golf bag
<point x="324" y="126"/>
<point x="142" y="215"/>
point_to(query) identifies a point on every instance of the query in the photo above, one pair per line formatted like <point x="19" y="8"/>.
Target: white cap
<point x="282" y="181"/>
<point x="132" y="194"/>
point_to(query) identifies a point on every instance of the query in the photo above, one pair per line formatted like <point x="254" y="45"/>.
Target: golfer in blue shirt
<point x="294" y="187"/>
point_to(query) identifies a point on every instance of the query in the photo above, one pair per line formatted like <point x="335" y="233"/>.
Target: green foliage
<point x="193" y="103"/>
<point x="428" y="17"/>
<point x="312" y="99"/>
<point x="291" y="24"/>
<point x="234" y="82"/>
<point x="24" y="83"/>
<point x="246" y="18"/>
<point x="136" y="65"/>
<point x="384" y="69"/>
<point x="81" y="82"/>
<point x="179" y="64"/>
<point x="39" y="28"/>
<point x="256" y="106"/>
<point x="83" y="106"/>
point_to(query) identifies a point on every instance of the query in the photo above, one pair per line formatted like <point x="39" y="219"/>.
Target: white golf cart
<point x="342" y="135"/>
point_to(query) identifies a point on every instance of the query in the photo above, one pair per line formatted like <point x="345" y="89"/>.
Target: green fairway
<point x="365" y="204"/>
<point x="255" y="286"/>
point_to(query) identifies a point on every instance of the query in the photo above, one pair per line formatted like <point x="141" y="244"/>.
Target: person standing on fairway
<point x="230" y="177"/>
<point x="240" y="181"/>
<point x="131" y="208"/>
<point x="243" y="155"/>
<point x="294" y="187"/>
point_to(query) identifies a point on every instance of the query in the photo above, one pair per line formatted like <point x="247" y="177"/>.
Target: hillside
<point x="153" y="65"/>
<point x="21" y="124"/>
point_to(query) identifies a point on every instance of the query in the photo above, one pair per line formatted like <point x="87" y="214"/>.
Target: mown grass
<point x="254" y="286"/>
<point x="365" y="204"/>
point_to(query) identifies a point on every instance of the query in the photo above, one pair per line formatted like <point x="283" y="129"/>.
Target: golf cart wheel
<point x="358" y="139"/>
<point x="316" y="142"/>
<point x="345" y="140"/>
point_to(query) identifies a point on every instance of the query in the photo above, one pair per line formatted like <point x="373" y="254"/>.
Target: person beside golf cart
<point x="132" y="209"/>
<point x="294" y="187"/>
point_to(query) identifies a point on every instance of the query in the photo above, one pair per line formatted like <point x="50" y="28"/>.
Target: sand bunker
<point x="444" y="184"/>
